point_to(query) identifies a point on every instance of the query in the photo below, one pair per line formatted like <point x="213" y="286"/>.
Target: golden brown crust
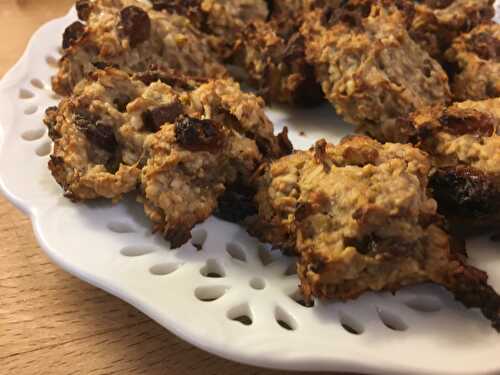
<point x="131" y="36"/>
<point x="463" y="141"/>
<point x="354" y="50"/>
<point x="221" y="19"/>
<point x="276" y="64"/>
<point x="88" y="159"/>
<point x="437" y="22"/>
<point x="476" y="57"/>
<point x="360" y="219"/>
<point x="191" y="162"/>
<point x="183" y="141"/>
<point x="181" y="185"/>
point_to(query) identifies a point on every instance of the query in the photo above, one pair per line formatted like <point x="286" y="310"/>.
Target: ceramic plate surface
<point x="232" y="298"/>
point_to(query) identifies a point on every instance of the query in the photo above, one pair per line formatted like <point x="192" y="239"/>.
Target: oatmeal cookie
<point x="87" y="159"/>
<point x="437" y="22"/>
<point x="369" y="67"/>
<point x="463" y="141"/>
<point x="476" y="58"/>
<point x="359" y="218"/>
<point x="131" y="36"/>
<point x="220" y="141"/>
<point x="180" y="139"/>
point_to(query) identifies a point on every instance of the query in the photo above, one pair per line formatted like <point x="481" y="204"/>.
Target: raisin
<point x="97" y="132"/>
<point x="121" y="102"/>
<point x="371" y="244"/>
<point x="135" y="24"/>
<point x="464" y="191"/>
<point x="164" y="4"/>
<point x="284" y="142"/>
<point x="198" y="135"/>
<point x="271" y="8"/>
<point x="72" y="33"/>
<point x="102" y="135"/>
<point x="479" y="124"/>
<point x="175" y="6"/>
<point x="83" y="9"/>
<point x="51" y="121"/>
<point x="436" y="4"/>
<point x="176" y="237"/>
<point x="104" y="65"/>
<point x="303" y="210"/>
<point x="154" y="118"/>
<point x="236" y="204"/>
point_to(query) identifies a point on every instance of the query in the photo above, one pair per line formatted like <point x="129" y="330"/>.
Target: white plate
<point x="111" y="247"/>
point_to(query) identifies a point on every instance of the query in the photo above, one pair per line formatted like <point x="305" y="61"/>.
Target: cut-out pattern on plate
<point x="391" y="321"/>
<point x="241" y="314"/>
<point x="136" y="251"/>
<point x="213" y="269"/>
<point x="33" y="135"/>
<point x="210" y="293"/>
<point x="198" y="238"/>
<point x="236" y="252"/>
<point x="163" y="269"/>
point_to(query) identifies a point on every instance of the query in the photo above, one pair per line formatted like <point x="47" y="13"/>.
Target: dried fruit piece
<point x="198" y="135"/>
<point x="72" y="33"/>
<point x="83" y="8"/>
<point x="154" y="118"/>
<point x="135" y="24"/>
<point x="96" y="131"/>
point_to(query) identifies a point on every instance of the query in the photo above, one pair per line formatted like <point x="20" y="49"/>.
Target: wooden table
<point x="53" y="323"/>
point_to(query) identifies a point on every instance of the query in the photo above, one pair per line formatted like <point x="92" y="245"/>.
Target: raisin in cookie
<point x="176" y="138"/>
<point x="131" y="36"/>
<point x="476" y="57"/>
<point x="464" y="144"/>
<point x="220" y="140"/>
<point x="276" y="65"/>
<point x="359" y="218"/>
<point x="87" y="159"/>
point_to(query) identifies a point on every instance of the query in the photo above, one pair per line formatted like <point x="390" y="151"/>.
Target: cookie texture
<point x="369" y="67"/>
<point x="131" y="36"/>
<point x="475" y="59"/>
<point x="359" y="217"/>
<point x="177" y="142"/>
<point x="223" y="20"/>
<point x="89" y="159"/>
<point x="220" y="141"/>
<point x="275" y="63"/>
<point x="435" y="23"/>
<point x="463" y="142"/>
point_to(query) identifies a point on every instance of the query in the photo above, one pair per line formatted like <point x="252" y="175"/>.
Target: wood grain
<point x="53" y="323"/>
